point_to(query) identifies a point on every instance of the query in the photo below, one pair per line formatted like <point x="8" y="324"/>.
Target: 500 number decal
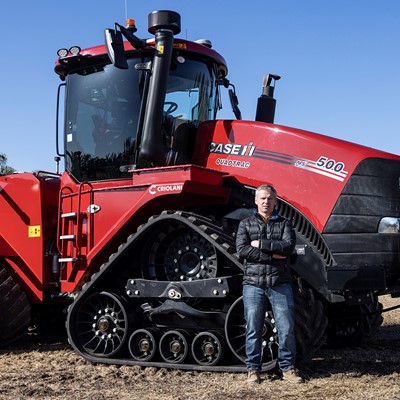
<point x="324" y="166"/>
<point x="332" y="165"/>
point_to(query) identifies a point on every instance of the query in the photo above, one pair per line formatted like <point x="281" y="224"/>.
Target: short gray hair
<point x="268" y="188"/>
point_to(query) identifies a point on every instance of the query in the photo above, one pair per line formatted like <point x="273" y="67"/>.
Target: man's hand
<point x="256" y="243"/>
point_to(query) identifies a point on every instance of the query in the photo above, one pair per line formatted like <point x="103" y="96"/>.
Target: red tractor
<point x="137" y="236"/>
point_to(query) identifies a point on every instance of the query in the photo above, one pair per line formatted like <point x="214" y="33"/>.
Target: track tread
<point x="310" y="319"/>
<point x="311" y="322"/>
<point x="204" y="226"/>
<point x="351" y="325"/>
<point x="15" y="311"/>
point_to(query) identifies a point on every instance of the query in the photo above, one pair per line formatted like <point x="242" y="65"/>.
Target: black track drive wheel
<point x="177" y="253"/>
<point x="15" y="311"/>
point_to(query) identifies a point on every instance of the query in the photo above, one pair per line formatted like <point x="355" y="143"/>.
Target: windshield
<point x="102" y="112"/>
<point x="190" y="92"/>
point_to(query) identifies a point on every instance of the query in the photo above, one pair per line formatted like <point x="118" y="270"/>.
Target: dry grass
<point x="51" y="370"/>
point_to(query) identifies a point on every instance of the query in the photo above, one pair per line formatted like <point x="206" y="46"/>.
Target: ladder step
<point x="69" y="215"/>
<point x="67" y="237"/>
<point x="67" y="259"/>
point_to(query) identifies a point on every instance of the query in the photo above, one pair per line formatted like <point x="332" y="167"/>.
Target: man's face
<point x="265" y="201"/>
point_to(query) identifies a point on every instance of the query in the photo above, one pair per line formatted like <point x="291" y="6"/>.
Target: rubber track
<point x="204" y="227"/>
<point x="370" y="319"/>
<point x="15" y="311"/>
<point x="311" y="322"/>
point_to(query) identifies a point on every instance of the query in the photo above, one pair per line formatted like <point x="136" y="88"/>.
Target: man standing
<point x="265" y="241"/>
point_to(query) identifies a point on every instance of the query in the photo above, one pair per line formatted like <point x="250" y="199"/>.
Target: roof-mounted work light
<point x="62" y="53"/>
<point x="74" y="50"/>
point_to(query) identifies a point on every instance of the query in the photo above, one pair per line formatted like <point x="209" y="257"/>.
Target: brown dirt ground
<point x="47" y="368"/>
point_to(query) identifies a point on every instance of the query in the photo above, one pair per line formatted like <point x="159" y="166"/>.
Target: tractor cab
<point x="142" y="111"/>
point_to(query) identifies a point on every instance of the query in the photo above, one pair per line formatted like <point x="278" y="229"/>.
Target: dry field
<point x="46" y="368"/>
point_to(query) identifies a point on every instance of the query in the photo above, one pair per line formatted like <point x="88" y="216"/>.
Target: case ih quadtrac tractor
<point x="136" y="238"/>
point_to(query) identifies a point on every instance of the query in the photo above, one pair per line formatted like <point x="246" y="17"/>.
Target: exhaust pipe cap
<point x="164" y="19"/>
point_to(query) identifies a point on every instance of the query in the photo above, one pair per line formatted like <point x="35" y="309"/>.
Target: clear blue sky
<point x="339" y="61"/>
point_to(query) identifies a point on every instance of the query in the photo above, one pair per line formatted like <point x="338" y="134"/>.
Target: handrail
<point x="79" y="216"/>
<point x="59" y="216"/>
<point x="57" y="118"/>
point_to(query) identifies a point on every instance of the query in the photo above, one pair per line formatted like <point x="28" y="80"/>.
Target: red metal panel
<point x="309" y="170"/>
<point x="123" y="205"/>
<point x="178" y="43"/>
<point x="181" y="44"/>
<point x="28" y="215"/>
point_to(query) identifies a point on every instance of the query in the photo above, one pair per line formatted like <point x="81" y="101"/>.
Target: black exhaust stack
<point x="164" y="25"/>
<point x="266" y="103"/>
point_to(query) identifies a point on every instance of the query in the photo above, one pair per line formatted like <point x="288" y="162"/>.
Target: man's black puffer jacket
<point x="276" y="236"/>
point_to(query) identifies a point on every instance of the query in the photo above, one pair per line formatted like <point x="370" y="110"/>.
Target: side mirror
<point x="115" y="48"/>
<point x="232" y="96"/>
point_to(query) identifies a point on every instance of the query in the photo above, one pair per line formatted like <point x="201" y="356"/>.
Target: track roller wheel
<point x="142" y="344"/>
<point x="235" y="333"/>
<point x="100" y="326"/>
<point x="206" y="348"/>
<point x="174" y="346"/>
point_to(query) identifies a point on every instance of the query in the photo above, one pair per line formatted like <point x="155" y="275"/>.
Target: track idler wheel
<point x="235" y="333"/>
<point x="174" y="346"/>
<point x="142" y="344"/>
<point x="100" y="326"/>
<point x="206" y="348"/>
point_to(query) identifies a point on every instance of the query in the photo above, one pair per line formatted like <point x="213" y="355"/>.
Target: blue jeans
<point x="255" y="302"/>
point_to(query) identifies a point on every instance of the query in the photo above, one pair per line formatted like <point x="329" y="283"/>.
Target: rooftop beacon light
<point x="131" y="25"/>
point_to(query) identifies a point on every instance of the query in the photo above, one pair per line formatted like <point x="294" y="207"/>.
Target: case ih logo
<point x="172" y="187"/>
<point x="246" y="150"/>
